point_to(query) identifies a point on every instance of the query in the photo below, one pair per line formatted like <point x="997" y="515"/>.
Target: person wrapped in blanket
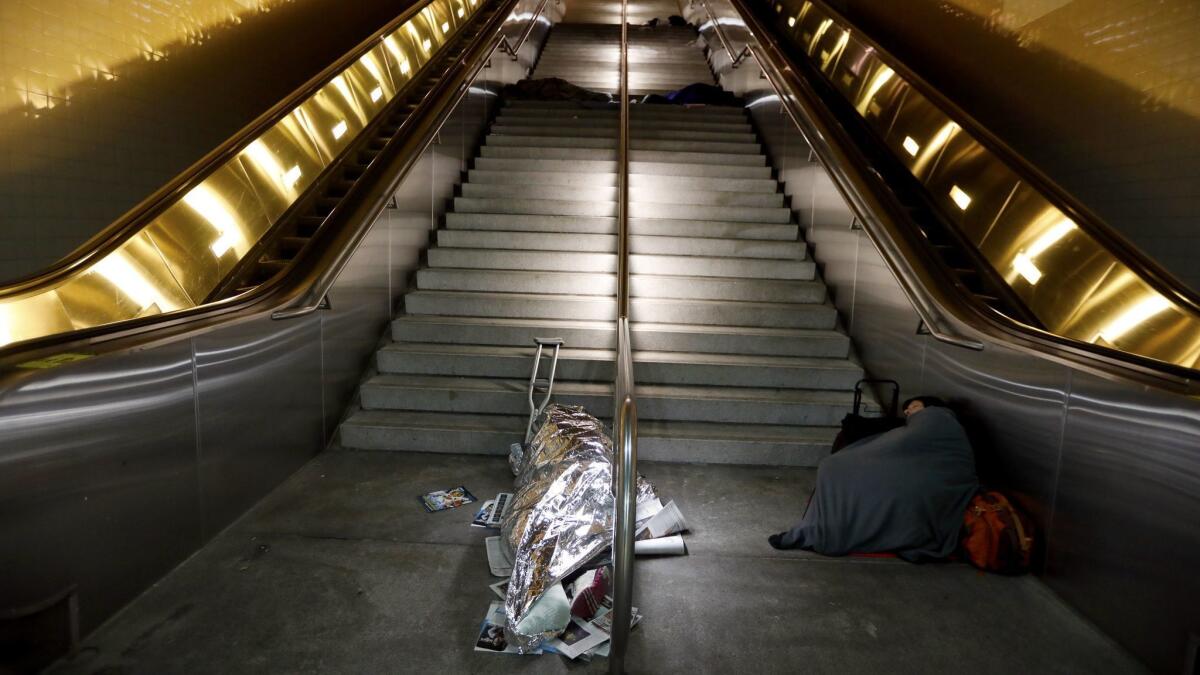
<point x="903" y="491"/>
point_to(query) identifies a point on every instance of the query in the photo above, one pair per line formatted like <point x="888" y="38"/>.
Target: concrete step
<point x="726" y="313"/>
<point x="637" y="226"/>
<point x="712" y="229"/>
<point x="711" y="159"/>
<point x="671" y="194"/>
<point x="498" y="259"/>
<point x="717" y="248"/>
<point x="610" y="131"/>
<point x="731" y="268"/>
<point x="557" y="165"/>
<point x="715" y="443"/>
<point x="597" y="365"/>
<point x="606" y="243"/>
<point x="691" y="211"/>
<point x="511" y="305"/>
<point x="641" y="110"/>
<point x="504" y="140"/>
<point x="661" y="441"/>
<point x="657" y="168"/>
<point x="545" y="207"/>
<point x="601" y="335"/>
<point x="709" y="288"/>
<point x="577" y="65"/>
<point x="740" y="405"/>
<point x="502" y="331"/>
<point x="572" y="180"/>
<point x="528" y="241"/>
<point x="517" y="281"/>
<point x="661" y="183"/>
<point x="531" y="223"/>
<point x="604" y="166"/>
<point x="567" y="122"/>
<point x="605" y="285"/>
<point x="411" y="431"/>
<point x="499" y="152"/>
<point x="662" y="265"/>
<point x="645" y="310"/>
<point x="571" y="69"/>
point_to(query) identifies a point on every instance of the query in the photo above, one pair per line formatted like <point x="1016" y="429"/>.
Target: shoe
<point x="776" y="541"/>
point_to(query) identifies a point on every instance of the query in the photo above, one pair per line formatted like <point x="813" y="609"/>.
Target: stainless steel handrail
<point x="313" y="299"/>
<point x="513" y="50"/>
<point x="625" y="408"/>
<point x="735" y="60"/>
<point x="925" y="307"/>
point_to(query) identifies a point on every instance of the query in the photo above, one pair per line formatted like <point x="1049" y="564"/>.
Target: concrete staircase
<point x="738" y="358"/>
<point x="661" y="59"/>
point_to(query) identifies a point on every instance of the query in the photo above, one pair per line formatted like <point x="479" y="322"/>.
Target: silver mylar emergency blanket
<point x="561" y="515"/>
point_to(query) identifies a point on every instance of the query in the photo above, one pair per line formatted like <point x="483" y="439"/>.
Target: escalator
<point x="763" y="256"/>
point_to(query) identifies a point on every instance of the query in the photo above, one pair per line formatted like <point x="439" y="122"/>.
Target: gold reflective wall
<point x="177" y="259"/>
<point x="52" y="46"/>
<point x="102" y="103"/>
<point x="1072" y="284"/>
<point x="1103" y="96"/>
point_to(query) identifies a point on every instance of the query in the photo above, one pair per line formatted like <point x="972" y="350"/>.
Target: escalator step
<point x="308" y="225"/>
<point x="290" y="246"/>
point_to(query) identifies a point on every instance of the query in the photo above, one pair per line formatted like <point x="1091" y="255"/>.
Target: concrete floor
<point x="341" y="571"/>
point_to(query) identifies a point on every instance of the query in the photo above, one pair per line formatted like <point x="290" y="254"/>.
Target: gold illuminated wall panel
<point x="174" y="261"/>
<point x="1065" y="276"/>
<point x="51" y="46"/>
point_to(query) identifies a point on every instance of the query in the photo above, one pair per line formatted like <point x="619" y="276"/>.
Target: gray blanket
<point x="903" y="491"/>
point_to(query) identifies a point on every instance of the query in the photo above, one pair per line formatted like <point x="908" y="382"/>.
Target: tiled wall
<point x="1102" y="95"/>
<point x="103" y="102"/>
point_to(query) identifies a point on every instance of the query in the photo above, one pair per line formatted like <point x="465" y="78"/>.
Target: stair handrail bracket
<point x="625" y="407"/>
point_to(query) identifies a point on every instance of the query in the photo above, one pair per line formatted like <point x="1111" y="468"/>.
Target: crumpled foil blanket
<point x="561" y="517"/>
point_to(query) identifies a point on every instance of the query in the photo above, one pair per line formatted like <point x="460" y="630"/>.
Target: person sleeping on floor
<point x="902" y="492"/>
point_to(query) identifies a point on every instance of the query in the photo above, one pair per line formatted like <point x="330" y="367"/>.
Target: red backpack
<point x="996" y="536"/>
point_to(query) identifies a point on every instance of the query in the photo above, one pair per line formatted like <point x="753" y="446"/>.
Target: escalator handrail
<point x="1158" y="277"/>
<point x="314" y="297"/>
<point x="925" y="309"/>
<point x="1118" y="244"/>
<point x="103" y="242"/>
<point x="370" y="195"/>
<point x="930" y="298"/>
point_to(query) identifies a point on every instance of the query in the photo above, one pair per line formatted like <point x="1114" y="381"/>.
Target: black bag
<point x="855" y="427"/>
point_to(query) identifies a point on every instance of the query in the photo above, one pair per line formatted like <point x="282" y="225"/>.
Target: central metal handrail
<point x="624" y="408"/>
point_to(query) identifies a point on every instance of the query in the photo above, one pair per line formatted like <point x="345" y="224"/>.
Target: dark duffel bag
<point x="856" y="427"/>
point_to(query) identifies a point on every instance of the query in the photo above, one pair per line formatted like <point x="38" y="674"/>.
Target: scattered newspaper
<point x="440" y="500"/>
<point x="481" y="517"/>
<point x="668" y="520"/>
<point x="491" y="633"/>
<point x="672" y="545"/>
<point x="588" y="638"/>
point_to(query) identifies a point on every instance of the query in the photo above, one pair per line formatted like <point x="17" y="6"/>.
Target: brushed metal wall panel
<point x="259" y="402"/>
<point x="1125" y="540"/>
<point x="1013" y="408"/>
<point x="98" y="485"/>
<point x="360" y="308"/>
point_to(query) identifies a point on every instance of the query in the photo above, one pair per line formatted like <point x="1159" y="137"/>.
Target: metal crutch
<point x="535" y="383"/>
